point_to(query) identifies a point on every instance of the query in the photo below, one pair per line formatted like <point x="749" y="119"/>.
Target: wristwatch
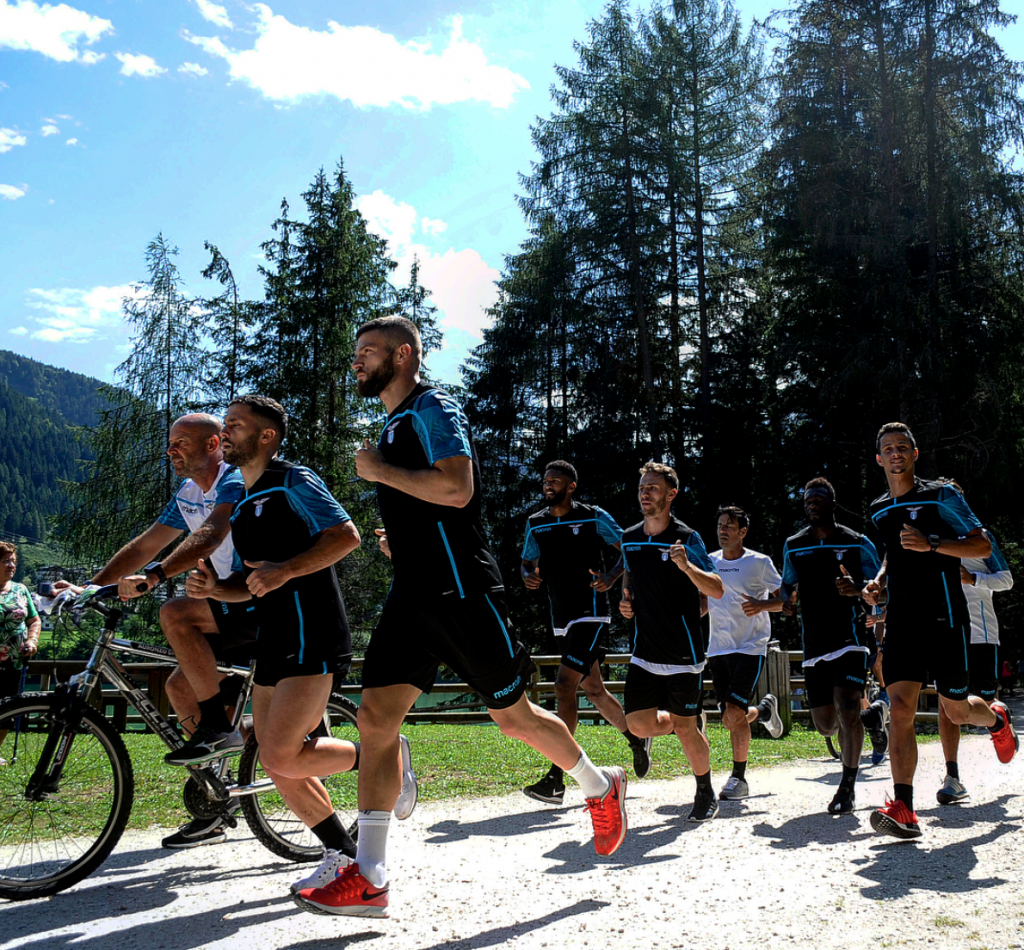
<point x="155" y="567"/>
<point x="934" y="540"/>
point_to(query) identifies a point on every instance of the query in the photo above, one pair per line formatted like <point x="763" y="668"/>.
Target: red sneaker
<point x="1005" y="737"/>
<point x="609" y="813"/>
<point x="895" y="819"/>
<point x="349" y="894"/>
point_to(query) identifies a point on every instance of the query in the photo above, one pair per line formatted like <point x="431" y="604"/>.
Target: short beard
<point x="557" y="498"/>
<point x="242" y="453"/>
<point x="373" y="385"/>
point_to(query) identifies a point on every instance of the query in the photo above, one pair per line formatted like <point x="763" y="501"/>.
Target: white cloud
<point x="433" y="226"/>
<point x="215" y="13"/>
<point x="192" y="69"/>
<point x="89" y="57"/>
<point x="55" y="31"/>
<point x="78" y="316"/>
<point x="391" y="219"/>
<point x="18" y="331"/>
<point x="48" y="130"/>
<point x="140" y="65"/>
<point x="71" y="142"/>
<point x="12" y="192"/>
<point x="9" y="138"/>
<point x="363" y="65"/>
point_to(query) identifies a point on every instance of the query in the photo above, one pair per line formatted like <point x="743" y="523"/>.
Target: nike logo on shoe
<point x="368" y="896"/>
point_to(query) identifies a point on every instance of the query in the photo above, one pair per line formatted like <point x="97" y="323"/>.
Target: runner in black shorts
<point x="564" y="549"/>
<point x="980" y="578"/>
<point x="288" y="533"/>
<point x="663" y="683"/>
<point x="925" y="528"/>
<point x="830" y="564"/>
<point x="445" y="606"/>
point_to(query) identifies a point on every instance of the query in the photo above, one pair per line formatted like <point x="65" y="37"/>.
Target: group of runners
<point x="265" y="534"/>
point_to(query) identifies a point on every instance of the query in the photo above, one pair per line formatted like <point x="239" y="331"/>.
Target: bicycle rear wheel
<point x="270" y="819"/>
<point x="51" y="840"/>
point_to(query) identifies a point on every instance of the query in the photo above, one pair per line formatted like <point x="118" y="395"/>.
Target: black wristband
<point x="155" y="567"/>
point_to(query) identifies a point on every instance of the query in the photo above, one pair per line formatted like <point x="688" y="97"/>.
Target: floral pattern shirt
<point x="16" y="609"/>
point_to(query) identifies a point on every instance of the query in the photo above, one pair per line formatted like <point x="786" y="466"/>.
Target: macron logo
<point x="508" y="689"/>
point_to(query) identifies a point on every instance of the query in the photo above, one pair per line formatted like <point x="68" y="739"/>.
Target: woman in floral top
<point x="19" y="626"/>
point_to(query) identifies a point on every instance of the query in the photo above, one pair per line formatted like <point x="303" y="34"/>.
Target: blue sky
<point x="123" y="118"/>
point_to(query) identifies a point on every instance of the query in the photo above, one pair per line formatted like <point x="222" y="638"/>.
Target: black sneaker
<point x="196" y="833"/>
<point x="843" y="801"/>
<point x="879" y="733"/>
<point x="705" y="807"/>
<point x="642" y="757"/>
<point x="549" y="789"/>
<point x="205" y="745"/>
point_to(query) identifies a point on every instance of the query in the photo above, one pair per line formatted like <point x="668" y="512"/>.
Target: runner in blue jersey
<point x="198" y="631"/>
<point x="446" y="605"/>
<point x="828" y="565"/>
<point x="926" y="528"/>
<point x="663" y="683"/>
<point x="564" y="552"/>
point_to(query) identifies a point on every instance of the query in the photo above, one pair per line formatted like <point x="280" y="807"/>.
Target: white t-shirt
<point x="732" y="631"/>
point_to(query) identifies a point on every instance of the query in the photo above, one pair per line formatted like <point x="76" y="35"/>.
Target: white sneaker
<point x="774" y="723"/>
<point x="333" y="862"/>
<point x="406" y="803"/>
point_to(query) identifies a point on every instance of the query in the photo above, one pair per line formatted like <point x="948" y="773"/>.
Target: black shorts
<point x="677" y="693"/>
<point x="848" y="671"/>
<point x="984" y="679"/>
<point x="581" y="646"/>
<point x="471" y="635"/>
<point x="735" y="677"/>
<point x="10" y="679"/>
<point x="929" y="650"/>
<point x="236" y="621"/>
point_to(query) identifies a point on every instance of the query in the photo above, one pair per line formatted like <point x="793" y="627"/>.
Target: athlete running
<point x="740" y="630"/>
<point x="829" y="564"/>
<point x="564" y="550"/>
<point x="446" y="604"/>
<point x="288" y="533"/>
<point x="663" y="683"/>
<point x="199" y="631"/>
<point x="926" y="528"/>
<point x="981" y="578"/>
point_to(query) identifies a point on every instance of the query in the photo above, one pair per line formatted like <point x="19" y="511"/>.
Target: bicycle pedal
<point x="230" y="820"/>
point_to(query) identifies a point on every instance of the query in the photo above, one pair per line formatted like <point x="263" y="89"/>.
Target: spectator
<point x="19" y="627"/>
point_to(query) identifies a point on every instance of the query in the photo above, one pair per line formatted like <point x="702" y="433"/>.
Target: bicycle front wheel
<point x="270" y="819"/>
<point x="52" y="839"/>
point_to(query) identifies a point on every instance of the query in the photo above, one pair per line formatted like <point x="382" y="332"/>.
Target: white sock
<point x="593" y="781"/>
<point x="372" y="845"/>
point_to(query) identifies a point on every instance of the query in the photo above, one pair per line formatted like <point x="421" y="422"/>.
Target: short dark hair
<point x="269" y="412"/>
<point x="665" y="471"/>
<point x="398" y="330"/>
<point x="8" y="547"/>
<point x="736" y="513"/>
<point x="566" y="468"/>
<point x="894" y="427"/>
<point x="820" y="482"/>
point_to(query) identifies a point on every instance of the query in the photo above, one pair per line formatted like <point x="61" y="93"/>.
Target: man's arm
<point x="974" y="544"/>
<point x="201" y="543"/>
<point x="136" y="553"/>
<point x="330" y="547"/>
<point x="626" y="603"/>
<point x="201" y="584"/>
<point x="704" y="581"/>
<point x="606" y="581"/>
<point x="448" y="482"/>
<point x="752" y="606"/>
<point x="530" y="574"/>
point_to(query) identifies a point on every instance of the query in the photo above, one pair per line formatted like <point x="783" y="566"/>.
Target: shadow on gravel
<point x="504" y="826"/>
<point x="820" y="827"/>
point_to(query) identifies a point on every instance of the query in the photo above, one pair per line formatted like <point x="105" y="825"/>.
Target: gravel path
<point x="771" y="871"/>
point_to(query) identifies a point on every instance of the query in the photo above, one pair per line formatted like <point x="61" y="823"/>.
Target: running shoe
<point x="642" y="757"/>
<point x="349" y="894"/>
<point x="333" y="861"/>
<point x="204" y="745"/>
<point x="550" y="789"/>
<point x="952" y="791"/>
<point x="705" y="807"/>
<point x="407" y="798"/>
<point x="702" y="721"/>
<point x="608" y="814"/>
<point x="734" y="789"/>
<point x="895" y="819"/>
<point x="1005" y="738"/>
<point x="843" y="801"/>
<point x="879" y="733"/>
<point x="774" y="721"/>
<point x="196" y="833"/>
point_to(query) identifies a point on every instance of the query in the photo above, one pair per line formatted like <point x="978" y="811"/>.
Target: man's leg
<point x="897" y="817"/>
<point x="551" y="787"/>
<point x="952" y="789"/>
<point x="185" y="623"/>
<point x="698" y="753"/>
<point x="182" y="698"/>
<point x="603" y="701"/>
<point x="973" y="711"/>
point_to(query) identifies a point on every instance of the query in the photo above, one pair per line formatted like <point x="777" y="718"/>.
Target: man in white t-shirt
<point x="740" y="630"/>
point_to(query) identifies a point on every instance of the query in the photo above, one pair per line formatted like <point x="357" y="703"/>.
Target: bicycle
<point x="67" y="793"/>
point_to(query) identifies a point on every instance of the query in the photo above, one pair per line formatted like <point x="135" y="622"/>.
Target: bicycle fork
<point x="46" y="777"/>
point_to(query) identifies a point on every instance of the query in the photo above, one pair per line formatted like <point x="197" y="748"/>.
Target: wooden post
<point x="778" y="683"/>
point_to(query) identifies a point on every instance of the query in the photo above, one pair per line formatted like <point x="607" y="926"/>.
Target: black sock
<point x="953" y="770"/>
<point x="1000" y="722"/>
<point x="332" y="834"/>
<point x="355" y="765"/>
<point x="905" y="794"/>
<point x="764" y="712"/>
<point x="871" y="717"/>
<point x="739" y="769"/>
<point x="633" y="739"/>
<point x="212" y="715"/>
<point x="849" y="776"/>
<point x="556" y="773"/>
<point x="704" y="783"/>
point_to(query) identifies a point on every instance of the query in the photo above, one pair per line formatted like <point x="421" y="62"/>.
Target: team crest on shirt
<point x="391" y="430"/>
<point x="914" y="511"/>
<point x="258" y="505"/>
<point x="665" y="553"/>
<point x="840" y="553"/>
<point x="575" y="528"/>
